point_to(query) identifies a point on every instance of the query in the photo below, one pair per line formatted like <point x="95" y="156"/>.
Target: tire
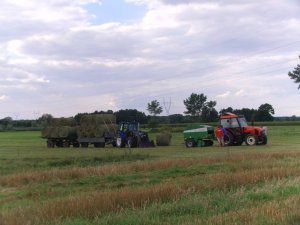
<point x="251" y="139"/>
<point x="66" y="144"/>
<point x="228" y="139"/>
<point x="50" y="144"/>
<point x="264" y="139"/>
<point x="190" y="143"/>
<point x="76" y="145"/>
<point x="131" y="142"/>
<point x="84" y="145"/>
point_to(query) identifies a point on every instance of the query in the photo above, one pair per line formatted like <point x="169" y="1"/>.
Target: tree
<point x="45" y="119"/>
<point x="295" y="75"/>
<point x="209" y="113"/>
<point x="194" y="104"/>
<point x="265" y="112"/>
<point x="130" y="115"/>
<point x="154" y="108"/>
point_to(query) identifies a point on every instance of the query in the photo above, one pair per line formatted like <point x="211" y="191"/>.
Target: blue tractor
<point x="129" y="134"/>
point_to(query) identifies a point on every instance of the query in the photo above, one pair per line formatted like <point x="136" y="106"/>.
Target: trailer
<point x="197" y="135"/>
<point x="97" y="130"/>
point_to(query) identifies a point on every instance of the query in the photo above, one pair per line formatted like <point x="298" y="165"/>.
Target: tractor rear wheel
<point x="251" y="139"/>
<point x="190" y="143"/>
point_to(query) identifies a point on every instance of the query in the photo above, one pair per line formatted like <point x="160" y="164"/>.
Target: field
<point x="162" y="185"/>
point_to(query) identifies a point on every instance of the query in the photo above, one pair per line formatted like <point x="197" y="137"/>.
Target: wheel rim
<point x="189" y="144"/>
<point x="251" y="140"/>
<point x="119" y="142"/>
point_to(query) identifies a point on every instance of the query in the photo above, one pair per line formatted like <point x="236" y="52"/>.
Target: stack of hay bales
<point x="95" y="126"/>
<point x="60" y="128"/>
<point x="163" y="139"/>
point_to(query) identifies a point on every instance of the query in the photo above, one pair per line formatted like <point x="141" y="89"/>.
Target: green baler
<point x="198" y="135"/>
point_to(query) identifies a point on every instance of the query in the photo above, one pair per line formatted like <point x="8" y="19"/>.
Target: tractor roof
<point x="228" y="115"/>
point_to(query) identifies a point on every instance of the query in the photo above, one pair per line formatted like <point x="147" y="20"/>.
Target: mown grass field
<point x="162" y="185"/>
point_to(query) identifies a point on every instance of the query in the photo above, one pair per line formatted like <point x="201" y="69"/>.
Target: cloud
<point x="224" y="95"/>
<point x="3" y="97"/>
<point x="176" y="48"/>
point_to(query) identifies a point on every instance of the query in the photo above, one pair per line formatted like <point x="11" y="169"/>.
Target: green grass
<point x="162" y="185"/>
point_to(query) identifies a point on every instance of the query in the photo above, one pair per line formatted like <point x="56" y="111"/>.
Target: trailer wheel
<point x="84" y="145"/>
<point x="76" y="145"/>
<point x="251" y="139"/>
<point x="66" y="144"/>
<point x="50" y="144"/>
<point x="190" y="143"/>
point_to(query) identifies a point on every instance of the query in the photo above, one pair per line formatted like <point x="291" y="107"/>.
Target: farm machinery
<point x="238" y="131"/>
<point x="98" y="130"/>
<point x="130" y="135"/>
<point x="198" y="135"/>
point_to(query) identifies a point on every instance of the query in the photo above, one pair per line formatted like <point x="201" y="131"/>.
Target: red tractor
<point x="238" y="131"/>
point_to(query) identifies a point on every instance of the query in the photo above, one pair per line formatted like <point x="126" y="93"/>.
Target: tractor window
<point x="225" y="123"/>
<point x="234" y="123"/>
<point x="243" y="121"/>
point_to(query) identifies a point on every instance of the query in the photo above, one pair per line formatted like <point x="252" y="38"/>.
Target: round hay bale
<point x="163" y="139"/>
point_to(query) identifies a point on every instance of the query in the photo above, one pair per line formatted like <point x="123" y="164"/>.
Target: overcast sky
<point x="63" y="57"/>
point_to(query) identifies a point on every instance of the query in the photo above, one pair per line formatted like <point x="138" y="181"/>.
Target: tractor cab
<point x="238" y="131"/>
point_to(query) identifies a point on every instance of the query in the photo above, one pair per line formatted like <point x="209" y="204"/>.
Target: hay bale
<point x="67" y="132"/>
<point x="96" y="125"/>
<point x="163" y="139"/>
<point x="55" y="122"/>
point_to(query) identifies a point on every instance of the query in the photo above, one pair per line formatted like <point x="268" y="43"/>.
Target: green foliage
<point x="194" y="104"/>
<point x="295" y="74"/>
<point x="154" y="108"/>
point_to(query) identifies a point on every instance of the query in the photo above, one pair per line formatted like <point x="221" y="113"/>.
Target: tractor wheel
<point x="228" y="139"/>
<point x="251" y="139"/>
<point x="190" y="143"/>
<point x="264" y="140"/>
<point x="132" y="142"/>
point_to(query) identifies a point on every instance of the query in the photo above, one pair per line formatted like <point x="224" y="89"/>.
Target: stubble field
<point x="162" y="185"/>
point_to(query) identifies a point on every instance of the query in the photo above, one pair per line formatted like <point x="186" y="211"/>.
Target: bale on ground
<point x="163" y="139"/>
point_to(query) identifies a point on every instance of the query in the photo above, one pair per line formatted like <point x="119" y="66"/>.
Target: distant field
<point x="162" y="185"/>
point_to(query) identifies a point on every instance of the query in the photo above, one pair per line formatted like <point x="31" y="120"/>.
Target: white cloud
<point x="224" y="95"/>
<point x="3" y="97"/>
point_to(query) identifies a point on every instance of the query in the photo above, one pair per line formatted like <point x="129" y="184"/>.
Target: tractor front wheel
<point x="190" y="143"/>
<point x="251" y="139"/>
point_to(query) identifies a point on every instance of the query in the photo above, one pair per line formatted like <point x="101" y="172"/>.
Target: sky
<point x="64" y="57"/>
